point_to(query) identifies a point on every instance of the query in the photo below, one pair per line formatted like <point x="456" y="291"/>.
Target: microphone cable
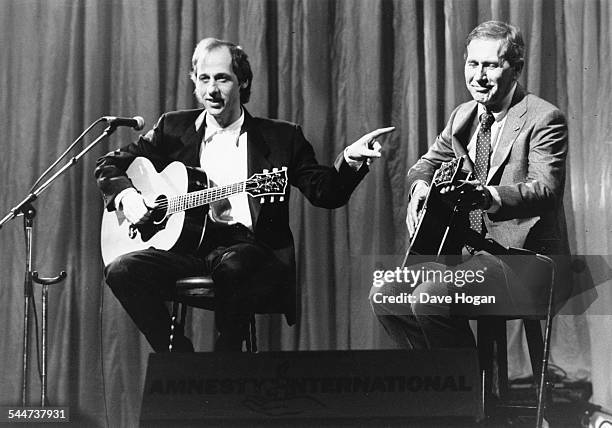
<point x="101" y="347"/>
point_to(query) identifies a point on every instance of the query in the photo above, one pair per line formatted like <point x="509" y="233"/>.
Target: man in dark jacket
<point x="248" y="246"/>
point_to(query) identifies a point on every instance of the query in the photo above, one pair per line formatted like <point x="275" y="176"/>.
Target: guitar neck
<point x="202" y="197"/>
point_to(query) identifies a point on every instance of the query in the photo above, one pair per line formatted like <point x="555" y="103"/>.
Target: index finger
<point x="379" y="131"/>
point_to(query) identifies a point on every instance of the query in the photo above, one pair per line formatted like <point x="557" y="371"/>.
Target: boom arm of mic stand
<point x="18" y="209"/>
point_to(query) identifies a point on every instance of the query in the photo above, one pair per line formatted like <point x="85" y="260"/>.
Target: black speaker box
<point x="309" y="387"/>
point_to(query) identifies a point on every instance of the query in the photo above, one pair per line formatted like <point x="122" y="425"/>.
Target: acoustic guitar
<point x="440" y="224"/>
<point x="178" y="199"/>
<point x="442" y="229"/>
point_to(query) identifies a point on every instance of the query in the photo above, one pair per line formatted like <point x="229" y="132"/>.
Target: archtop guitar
<point x="440" y="224"/>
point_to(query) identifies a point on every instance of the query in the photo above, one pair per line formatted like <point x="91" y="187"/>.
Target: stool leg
<point x="492" y="354"/>
<point x="173" y="324"/>
<point x="176" y="322"/>
<point x="485" y="357"/>
<point x="535" y="343"/>
<point x="546" y="352"/>
<point x="501" y="356"/>
<point x="250" y="337"/>
<point x="547" y="337"/>
<point x="253" y="335"/>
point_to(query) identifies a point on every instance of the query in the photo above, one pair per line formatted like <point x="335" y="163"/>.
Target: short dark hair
<point x="513" y="47"/>
<point x="240" y="63"/>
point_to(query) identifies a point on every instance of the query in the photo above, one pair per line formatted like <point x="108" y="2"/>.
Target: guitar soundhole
<point x="156" y="221"/>
<point x="158" y="213"/>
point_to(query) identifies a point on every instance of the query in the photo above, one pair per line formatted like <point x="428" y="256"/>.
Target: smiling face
<point x="217" y="86"/>
<point x="488" y="77"/>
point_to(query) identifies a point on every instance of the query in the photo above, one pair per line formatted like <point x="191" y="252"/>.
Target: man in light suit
<point x="517" y="144"/>
<point x="248" y="247"/>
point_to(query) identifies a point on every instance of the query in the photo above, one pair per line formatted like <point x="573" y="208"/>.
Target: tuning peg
<point x="274" y="169"/>
<point x="262" y="200"/>
<point x="265" y="171"/>
<point x="271" y="198"/>
<point x="281" y="199"/>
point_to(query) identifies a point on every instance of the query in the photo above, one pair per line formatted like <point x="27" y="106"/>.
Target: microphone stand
<point x="28" y="212"/>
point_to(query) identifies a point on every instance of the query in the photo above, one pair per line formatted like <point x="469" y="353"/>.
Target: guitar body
<point x="181" y="230"/>
<point x="440" y="227"/>
<point x="437" y="232"/>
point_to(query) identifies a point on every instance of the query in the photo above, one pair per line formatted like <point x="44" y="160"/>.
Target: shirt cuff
<point x="495" y="200"/>
<point x="121" y="195"/>
<point x="414" y="185"/>
<point x="354" y="164"/>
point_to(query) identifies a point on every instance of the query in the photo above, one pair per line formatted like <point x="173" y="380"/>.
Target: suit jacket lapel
<point x="461" y="131"/>
<point x="514" y="122"/>
<point x="192" y="140"/>
<point x="257" y="154"/>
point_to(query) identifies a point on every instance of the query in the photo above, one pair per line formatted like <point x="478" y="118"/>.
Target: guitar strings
<point x="200" y="197"/>
<point x="191" y="200"/>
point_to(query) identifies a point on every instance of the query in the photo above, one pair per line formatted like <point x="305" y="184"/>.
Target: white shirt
<point x="223" y="156"/>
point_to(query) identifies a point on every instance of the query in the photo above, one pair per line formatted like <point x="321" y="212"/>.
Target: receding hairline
<point x="206" y="50"/>
<point x="502" y="47"/>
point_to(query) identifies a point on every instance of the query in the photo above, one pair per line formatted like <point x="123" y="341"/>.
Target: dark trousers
<point x="438" y="316"/>
<point x="246" y="274"/>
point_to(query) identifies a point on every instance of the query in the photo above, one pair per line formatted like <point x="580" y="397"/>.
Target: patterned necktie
<point x="481" y="165"/>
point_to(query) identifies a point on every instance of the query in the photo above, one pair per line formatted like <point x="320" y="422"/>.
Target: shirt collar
<point x="212" y="126"/>
<point x="500" y="115"/>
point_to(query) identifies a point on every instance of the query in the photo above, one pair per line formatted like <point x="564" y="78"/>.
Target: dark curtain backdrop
<point x="340" y="68"/>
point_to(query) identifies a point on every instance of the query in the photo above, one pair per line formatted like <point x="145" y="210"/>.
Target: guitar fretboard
<point x="202" y="197"/>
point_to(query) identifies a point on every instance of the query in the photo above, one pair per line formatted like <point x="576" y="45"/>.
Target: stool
<point x="198" y="291"/>
<point x="493" y="353"/>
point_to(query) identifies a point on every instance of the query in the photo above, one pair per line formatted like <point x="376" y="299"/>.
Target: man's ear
<point x="518" y="69"/>
<point x="244" y="84"/>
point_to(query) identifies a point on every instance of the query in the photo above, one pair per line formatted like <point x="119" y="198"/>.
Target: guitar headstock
<point x="450" y="172"/>
<point x="268" y="184"/>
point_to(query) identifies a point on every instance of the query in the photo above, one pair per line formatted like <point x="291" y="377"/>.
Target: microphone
<point x="136" y="122"/>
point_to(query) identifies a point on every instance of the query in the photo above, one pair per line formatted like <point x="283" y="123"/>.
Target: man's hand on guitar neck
<point x="133" y="205"/>
<point x="417" y="198"/>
